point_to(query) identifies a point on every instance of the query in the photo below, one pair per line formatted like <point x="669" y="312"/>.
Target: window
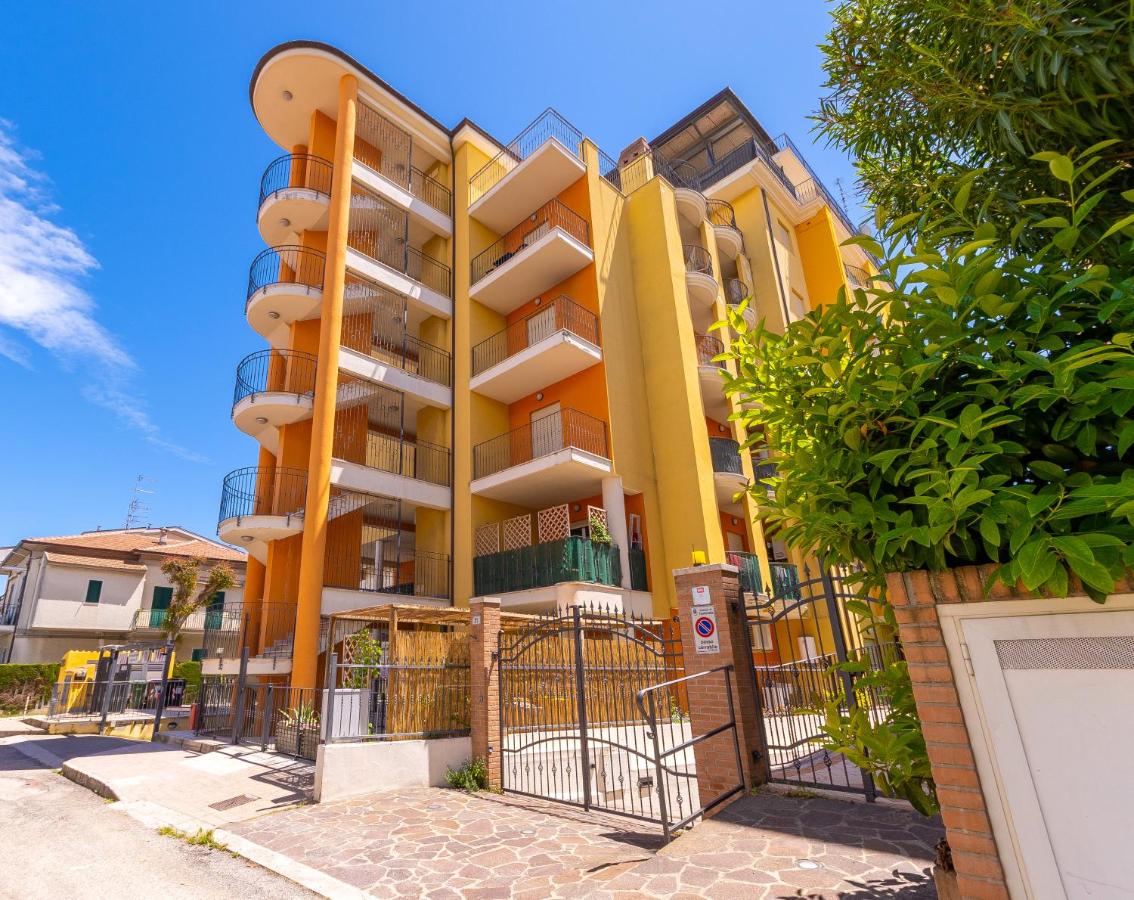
<point x="762" y="641"/>
<point x="94" y="591"/>
<point x="198" y="654"/>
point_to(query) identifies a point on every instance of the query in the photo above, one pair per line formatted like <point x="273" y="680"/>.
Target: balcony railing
<point x="288" y="264"/>
<point x="750" y="150"/>
<point x="543" y="565"/>
<point x="548" y="125"/>
<point x="562" y="314"/>
<point x="154" y="619"/>
<point x="708" y="348"/>
<point x="412" y="574"/>
<point x="725" y="453"/>
<point x="639" y="579"/>
<point x="736" y="291"/>
<point x="275" y="371"/>
<point x="380" y="231"/>
<point x="267" y="629"/>
<point x="553" y="214"/>
<point x="410" y="457"/>
<point x="383" y="147"/>
<point x="296" y="170"/>
<point x="785" y="576"/>
<point x="543" y="437"/>
<point x="263" y="491"/>
<point x="720" y="212"/>
<point x="697" y="259"/>
<point x="858" y="277"/>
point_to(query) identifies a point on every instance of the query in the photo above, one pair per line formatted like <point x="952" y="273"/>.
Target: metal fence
<point x="380" y="231"/>
<point x="736" y="291"/>
<point x="548" y="125"/>
<point x="296" y="171"/>
<point x="286" y="264"/>
<point x="720" y="212"/>
<point x="553" y="214"/>
<point x="263" y="491"/>
<point x="573" y="558"/>
<point x="697" y="259"/>
<point x="708" y="349"/>
<point x="725" y="454"/>
<point x="266" y="629"/>
<point x="560" y="315"/>
<point x="545" y="435"/>
<point x="275" y="371"/>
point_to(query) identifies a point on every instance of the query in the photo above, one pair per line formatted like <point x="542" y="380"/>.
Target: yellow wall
<point x="821" y="258"/>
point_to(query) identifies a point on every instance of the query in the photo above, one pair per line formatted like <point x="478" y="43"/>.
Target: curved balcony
<point x="273" y="388"/>
<point x="709" y="372"/>
<point x="549" y="246"/>
<point x="730" y="242"/>
<point x="261" y="504"/>
<point x="285" y="285"/>
<point x="728" y="473"/>
<point x="562" y="453"/>
<point x="699" y="276"/>
<point x="736" y="292"/>
<point x="558" y="340"/>
<point x="295" y="196"/>
<point x="686" y="188"/>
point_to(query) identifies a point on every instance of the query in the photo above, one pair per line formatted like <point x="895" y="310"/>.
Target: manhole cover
<point x="231" y="802"/>
<point x="808" y="864"/>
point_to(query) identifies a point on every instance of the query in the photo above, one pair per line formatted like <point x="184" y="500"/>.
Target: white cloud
<point x="42" y="298"/>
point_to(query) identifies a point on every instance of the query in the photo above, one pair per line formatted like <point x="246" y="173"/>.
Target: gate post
<point x="708" y="709"/>
<point x="484" y="641"/>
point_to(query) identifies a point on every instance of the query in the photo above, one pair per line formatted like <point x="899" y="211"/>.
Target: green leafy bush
<point x="21" y="681"/>
<point x="975" y="406"/>
<point x="472" y="776"/>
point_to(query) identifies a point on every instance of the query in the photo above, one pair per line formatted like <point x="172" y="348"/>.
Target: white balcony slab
<point x="423" y="298"/>
<point x="713" y="399"/>
<point x="273" y="308"/>
<point x="291" y="211"/>
<point x="557" y="356"/>
<point x="416" y="388"/>
<point x="728" y="485"/>
<point x="559" y="598"/>
<point x="691" y="204"/>
<point x="702" y="289"/>
<point x="546" y="173"/>
<point x="262" y="415"/>
<point x="539" y="482"/>
<point x="411" y="491"/>
<point x="532" y="271"/>
<point x="730" y="243"/>
<point x="435" y="221"/>
<point x="254" y="533"/>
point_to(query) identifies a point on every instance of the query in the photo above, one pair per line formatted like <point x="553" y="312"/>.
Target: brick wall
<point x="484" y="631"/>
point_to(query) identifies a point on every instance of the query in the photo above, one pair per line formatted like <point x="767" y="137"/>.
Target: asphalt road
<point x="59" y="840"/>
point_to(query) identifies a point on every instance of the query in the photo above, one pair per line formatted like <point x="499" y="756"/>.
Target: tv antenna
<point x="138" y="508"/>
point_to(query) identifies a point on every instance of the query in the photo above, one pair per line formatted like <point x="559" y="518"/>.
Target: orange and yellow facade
<point x="491" y="367"/>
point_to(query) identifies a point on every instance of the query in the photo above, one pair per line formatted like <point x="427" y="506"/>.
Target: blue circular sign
<point x="705" y="626"/>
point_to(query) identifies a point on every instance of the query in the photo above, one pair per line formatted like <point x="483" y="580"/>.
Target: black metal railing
<point x="697" y="259"/>
<point x="725" y="453"/>
<point x="263" y="491"/>
<point x="857" y="276"/>
<point x="609" y="170"/>
<point x="541" y="437"/>
<point x="380" y="231"/>
<point x="573" y="558"/>
<point x="288" y="264"/>
<point x="639" y="577"/>
<point x="382" y="146"/>
<point x="411" y="457"/>
<point x="562" y="314"/>
<point x="708" y="348"/>
<point x="548" y="125"/>
<point x="414" y="573"/>
<point x="296" y="171"/>
<point x="807" y="190"/>
<point x="735" y="291"/>
<point x="266" y="629"/>
<point x="275" y="371"/>
<point x="553" y="214"/>
<point x="429" y="189"/>
<point x="740" y="156"/>
<point x="720" y="212"/>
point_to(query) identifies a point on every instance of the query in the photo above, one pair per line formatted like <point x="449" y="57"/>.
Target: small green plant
<point x="201" y="838"/>
<point x="599" y="532"/>
<point x="365" y="652"/>
<point x="472" y="776"/>
<point x="303" y="716"/>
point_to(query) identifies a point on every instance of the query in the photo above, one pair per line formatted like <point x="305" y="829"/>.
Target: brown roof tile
<point x="94" y="562"/>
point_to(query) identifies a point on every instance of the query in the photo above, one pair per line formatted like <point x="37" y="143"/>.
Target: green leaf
<point x="1062" y="168"/>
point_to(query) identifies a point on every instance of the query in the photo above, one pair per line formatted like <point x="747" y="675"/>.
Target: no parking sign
<point x="705" y="637"/>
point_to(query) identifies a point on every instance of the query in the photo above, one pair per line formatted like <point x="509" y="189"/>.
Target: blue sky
<point x="129" y="167"/>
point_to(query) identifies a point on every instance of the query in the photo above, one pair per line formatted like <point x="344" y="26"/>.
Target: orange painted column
<point x="305" y="661"/>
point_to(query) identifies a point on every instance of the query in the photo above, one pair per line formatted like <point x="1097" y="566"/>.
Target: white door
<point x="547" y="431"/>
<point x="541" y="325"/>
<point x="1053" y="696"/>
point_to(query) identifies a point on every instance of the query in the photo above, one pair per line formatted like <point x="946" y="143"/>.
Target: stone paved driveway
<point x="446" y="844"/>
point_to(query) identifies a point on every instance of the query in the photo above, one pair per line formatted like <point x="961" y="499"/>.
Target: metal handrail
<point x="296" y="171"/>
<point x="857" y="276"/>
<point x="567" y="428"/>
<point x="736" y="291"/>
<point x="720" y="212"/>
<point x="430" y="190"/>
<point x="275" y="371"/>
<point x="263" y="491"/>
<point x="725" y="453"/>
<point x="708" y="348"/>
<point x="553" y="214"/>
<point x="548" y="125"/>
<point x="697" y="259"/>
<point x="380" y="230"/>
<point x="561" y="315"/>
<point x="286" y="264"/>
<point x="429" y="575"/>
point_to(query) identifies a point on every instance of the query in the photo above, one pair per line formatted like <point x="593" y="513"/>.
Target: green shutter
<point x="158" y="606"/>
<point x="94" y="591"/>
<point x="198" y="654"/>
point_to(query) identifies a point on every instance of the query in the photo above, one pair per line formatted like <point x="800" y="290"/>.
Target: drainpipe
<point x="775" y="258"/>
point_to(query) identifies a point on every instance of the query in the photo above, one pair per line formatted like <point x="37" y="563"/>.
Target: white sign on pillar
<point x="701" y="596"/>
<point x="706" y="639"/>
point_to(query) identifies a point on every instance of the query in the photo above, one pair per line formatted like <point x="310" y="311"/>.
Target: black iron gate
<point x="799" y="633"/>
<point x="594" y="713"/>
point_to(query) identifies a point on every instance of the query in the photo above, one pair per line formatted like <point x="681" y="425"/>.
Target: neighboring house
<point x="80" y="591"/>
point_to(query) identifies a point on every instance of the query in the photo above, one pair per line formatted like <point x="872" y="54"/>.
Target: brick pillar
<point x="914" y="596"/>
<point x="484" y="631"/>
<point x="708" y="708"/>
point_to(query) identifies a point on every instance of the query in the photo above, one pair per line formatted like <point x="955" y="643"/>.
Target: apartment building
<point x="491" y="367"/>
<point x="83" y="591"/>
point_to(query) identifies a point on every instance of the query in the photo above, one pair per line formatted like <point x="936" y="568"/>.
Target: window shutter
<point x="94" y="591"/>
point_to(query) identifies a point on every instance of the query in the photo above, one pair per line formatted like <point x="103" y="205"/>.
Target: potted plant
<point x="297" y="732"/>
